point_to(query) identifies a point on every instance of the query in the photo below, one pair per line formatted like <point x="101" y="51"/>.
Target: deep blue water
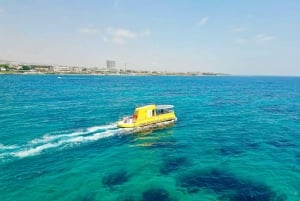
<point x="236" y="139"/>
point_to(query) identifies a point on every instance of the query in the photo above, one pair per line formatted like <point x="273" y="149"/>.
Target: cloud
<point x="116" y="3"/>
<point x="88" y="30"/>
<point x="145" y="33"/>
<point x="237" y="29"/>
<point x="105" y="39"/>
<point x="118" y="41"/>
<point x="120" y="36"/>
<point x="241" y="41"/>
<point x="202" y="21"/>
<point x="121" y="33"/>
<point x="258" y="39"/>
<point x="261" y="38"/>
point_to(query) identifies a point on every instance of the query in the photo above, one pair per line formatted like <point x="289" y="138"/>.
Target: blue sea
<point x="236" y="139"/>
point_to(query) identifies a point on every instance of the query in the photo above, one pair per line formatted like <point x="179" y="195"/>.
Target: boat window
<point x="149" y="113"/>
<point x="163" y="111"/>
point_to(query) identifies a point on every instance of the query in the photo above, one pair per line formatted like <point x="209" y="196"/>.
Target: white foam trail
<point x="94" y="137"/>
<point x="3" y="155"/>
<point x="96" y="128"/>
<point x="5" y="147"/>
<point x="34" y="151"/>
<point x="37" y="146"/>
<point x="45" y="138"/>
<point x="49" y="138"/>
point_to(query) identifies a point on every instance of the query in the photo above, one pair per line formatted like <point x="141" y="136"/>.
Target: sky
<point x="249" y="37"/>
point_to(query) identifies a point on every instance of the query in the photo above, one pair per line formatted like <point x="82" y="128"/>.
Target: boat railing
<point x="128" y="119"/>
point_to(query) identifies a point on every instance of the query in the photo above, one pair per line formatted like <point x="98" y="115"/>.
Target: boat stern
<point x="126" y="122"/>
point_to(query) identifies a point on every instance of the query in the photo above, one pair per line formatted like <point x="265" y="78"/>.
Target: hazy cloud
<point x="250" y="16"/>
<point x="121" y="33"/>
<point x="258" y="39"/>
<point x="237" y="29"/>
<point x="1" y="11"/>
<point x="145" y="33"/>
<point x="241" y="41"/>
<point x="105" y="39"/>
<point x="116" y="3"/>
<point x="202" y="21"/>
<point x="120" y="36"/>
<point x="261" y="38"/>
<point x="88" y="30"/>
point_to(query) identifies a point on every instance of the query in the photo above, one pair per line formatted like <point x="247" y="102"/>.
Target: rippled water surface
<point x="236" y="139"/>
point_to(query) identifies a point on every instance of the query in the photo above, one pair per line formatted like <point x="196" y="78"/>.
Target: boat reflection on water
<point x="158" y="138"/>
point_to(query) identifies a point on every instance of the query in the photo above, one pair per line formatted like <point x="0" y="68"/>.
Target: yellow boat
<point x="149" y="115"/>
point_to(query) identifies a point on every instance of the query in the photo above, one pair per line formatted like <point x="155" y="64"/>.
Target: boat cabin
<point x="151" y="111"/>
<point x="147" y="115"/>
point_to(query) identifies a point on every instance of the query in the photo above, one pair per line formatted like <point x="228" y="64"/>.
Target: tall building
<point x="110" y="64"/>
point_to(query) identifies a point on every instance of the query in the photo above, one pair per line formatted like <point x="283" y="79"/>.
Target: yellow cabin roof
<point x="146" y="107"/>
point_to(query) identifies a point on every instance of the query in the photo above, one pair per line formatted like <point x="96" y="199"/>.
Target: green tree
<point x="24" y="67"/>
<point x="6" y="66"/>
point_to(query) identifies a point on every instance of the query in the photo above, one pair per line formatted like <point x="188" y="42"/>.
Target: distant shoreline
<point x="157" y="75"/>
<point x="116" y="74"/>
<point x="24" y="69"/>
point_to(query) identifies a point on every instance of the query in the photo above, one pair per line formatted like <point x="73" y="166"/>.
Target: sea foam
<point x="64" y="139"/>
<point x="5" y="147"/>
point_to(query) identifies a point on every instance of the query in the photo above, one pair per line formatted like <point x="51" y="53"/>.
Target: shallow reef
<point x="278" y="109"/>
<point x="251" y="145"/>
<point x="230" y="150"/>
<point x="163" y="143"/>
<point x="297" y="156"/>
<point x="238" y="148"/>
<point x="281" y="143"/>
<point x="88" y="198"/>
<point x="172" y="164"/>
<point x="115" y="178"/>
<point x="156" y="194"/>
<point x="257" y="193"/>
<point x="228" y="186"/>
<point x="128" y="199"/>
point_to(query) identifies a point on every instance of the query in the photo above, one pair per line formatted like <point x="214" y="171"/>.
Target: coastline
<point x="117" y="74"/>
<point x="41" y="69"/>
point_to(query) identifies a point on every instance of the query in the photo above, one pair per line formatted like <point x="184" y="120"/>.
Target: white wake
<point x="60" y="139"/>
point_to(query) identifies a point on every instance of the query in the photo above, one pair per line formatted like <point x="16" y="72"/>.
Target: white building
<point x="62" y="69"/>
<point x="110" y="65"/>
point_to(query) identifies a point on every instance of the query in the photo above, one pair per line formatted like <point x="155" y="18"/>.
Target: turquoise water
<point x="236" y="139"/>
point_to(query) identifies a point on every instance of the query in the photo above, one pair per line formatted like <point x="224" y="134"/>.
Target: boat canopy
<point x="164" y="107"/>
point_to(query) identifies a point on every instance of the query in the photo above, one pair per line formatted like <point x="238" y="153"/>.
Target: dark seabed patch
<point x="165" y="144"/>
<point x="128" y="199"/>
<point x="273" y="109"/>
<point x="279" y="110"/>
<point x="219" y="102"/>
<point x="156" y="194"/>
<point x="88" y="197"/>
<point x="115" y="178"/>
<point x="281" y="143"/>
<point x="257" y="192"/>
<point x="237" y="148"/>
<point x="297" y="156"/>
<point x="222" y="182"/>
<point x="251" y="145"/>
<point x="230" y="150"/>
<point x="172" y="164"/>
